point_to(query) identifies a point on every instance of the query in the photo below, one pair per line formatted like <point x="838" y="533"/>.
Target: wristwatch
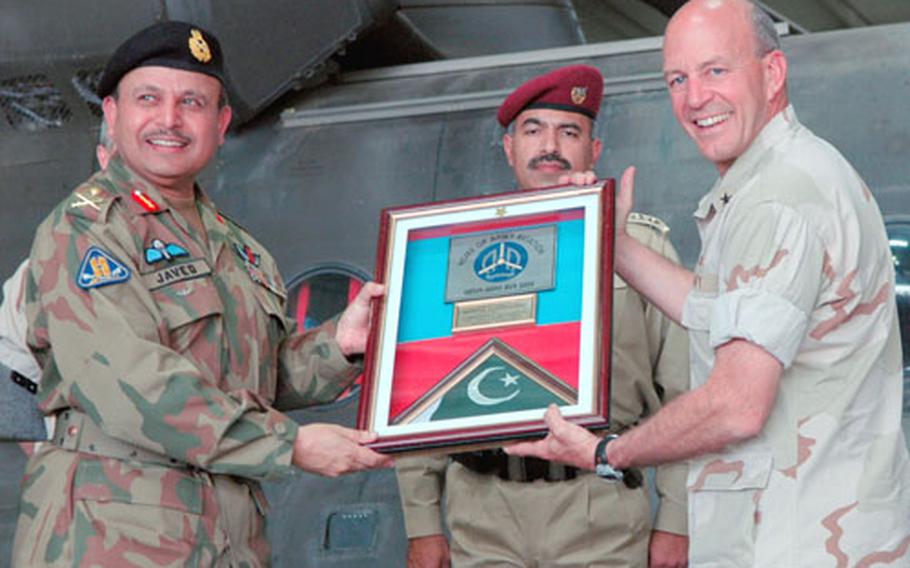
<point x="602" y="465"/>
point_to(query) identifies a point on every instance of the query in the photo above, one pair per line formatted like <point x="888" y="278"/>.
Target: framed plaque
<point x="495" y="308"/>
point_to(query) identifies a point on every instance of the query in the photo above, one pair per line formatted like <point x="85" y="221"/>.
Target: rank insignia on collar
<point x="100" y="268"/>
<point x="145" y="201"/>
<point x="161" y="251"/>
<point x="247" y="254"/>
<point x="90" y="197"/>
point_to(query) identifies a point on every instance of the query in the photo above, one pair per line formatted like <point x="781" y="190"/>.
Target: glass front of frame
<point x="495" y="308"/>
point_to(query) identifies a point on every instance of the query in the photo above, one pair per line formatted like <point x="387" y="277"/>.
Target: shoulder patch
<point x="90" y="202"/>
<point x="100" y="268"/>
<point x="649" y="221"/>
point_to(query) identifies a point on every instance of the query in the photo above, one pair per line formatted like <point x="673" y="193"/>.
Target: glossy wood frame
<point x="396" y="224"/>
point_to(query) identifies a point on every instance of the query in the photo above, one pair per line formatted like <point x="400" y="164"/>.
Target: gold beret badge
<point x="199" y="48"/>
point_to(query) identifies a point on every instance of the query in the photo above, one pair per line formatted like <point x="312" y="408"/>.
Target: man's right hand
<point x="428" y="552"/>
<point x="332" y="450"/>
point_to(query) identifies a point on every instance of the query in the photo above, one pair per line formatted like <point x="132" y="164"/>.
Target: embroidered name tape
<point x="176" y="273"/>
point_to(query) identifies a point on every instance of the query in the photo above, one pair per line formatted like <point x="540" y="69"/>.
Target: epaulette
<point x="90" y="201"/>
<point x="649" y="221"/>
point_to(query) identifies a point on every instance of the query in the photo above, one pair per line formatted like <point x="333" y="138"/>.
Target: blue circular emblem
<point x="501" y="261"/>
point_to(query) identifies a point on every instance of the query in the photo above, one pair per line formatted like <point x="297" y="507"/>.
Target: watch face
<point x="607" y="472"/>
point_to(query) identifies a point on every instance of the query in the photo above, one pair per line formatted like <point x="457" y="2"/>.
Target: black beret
<point x="576" y="88"/>
<point x="178" y="45"/>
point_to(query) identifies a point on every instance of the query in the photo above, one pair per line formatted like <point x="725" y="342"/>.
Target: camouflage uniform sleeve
<point x="421" y="480"/>
<point x="312" y="368"/>
<point x="669" y="351"/>
<point x="105" y="352"/>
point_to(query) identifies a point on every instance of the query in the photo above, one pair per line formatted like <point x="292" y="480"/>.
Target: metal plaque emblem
<point x="501" y="263"/>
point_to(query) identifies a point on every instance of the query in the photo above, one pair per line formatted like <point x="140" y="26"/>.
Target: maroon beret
<point x="576" y="88"/>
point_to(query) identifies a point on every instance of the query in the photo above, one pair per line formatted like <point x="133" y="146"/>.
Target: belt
<point x="75" y="431"/>
<point x="523" y="470"/>
<point x="513" y="468"/>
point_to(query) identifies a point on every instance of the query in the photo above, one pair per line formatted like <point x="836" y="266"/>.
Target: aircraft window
<point x="31" y="103"/>
<point x="899" y="239"/>
<point x="86" y="84"/>
<point x="322" y="292"/>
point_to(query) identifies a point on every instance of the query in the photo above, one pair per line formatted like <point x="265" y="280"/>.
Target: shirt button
<point x="281" y="428"/>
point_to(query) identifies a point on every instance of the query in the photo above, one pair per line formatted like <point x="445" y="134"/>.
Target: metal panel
<point x="272" y="50"/>
<point x="463" y="29"/>
<point x="830" y="78"/>
<point x="67" y="29"/>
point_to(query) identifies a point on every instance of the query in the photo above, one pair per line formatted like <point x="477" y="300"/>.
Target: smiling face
<point x="167" y="124"/>
<point x="723" y="92"/>
<point x="548" y="144"/>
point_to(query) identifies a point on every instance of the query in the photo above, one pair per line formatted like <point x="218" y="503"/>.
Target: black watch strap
<point x="602" y="465"/>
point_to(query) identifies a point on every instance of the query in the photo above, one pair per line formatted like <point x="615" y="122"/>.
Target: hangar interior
<point x="345" y="107"/>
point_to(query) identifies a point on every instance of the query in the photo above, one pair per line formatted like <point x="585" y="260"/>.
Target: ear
<point x="507" y="147"/>
<point x="224" y="120"/>
<point x="109" y="106"/>
<point x="596" y="148"/>
<point x="775" y="73"/>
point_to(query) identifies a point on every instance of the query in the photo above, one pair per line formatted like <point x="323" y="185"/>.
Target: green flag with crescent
<point x="493" y="387"/>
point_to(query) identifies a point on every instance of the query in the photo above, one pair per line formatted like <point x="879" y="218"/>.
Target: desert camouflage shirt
<point x="168" y="341"/>
<point x="795" y="259"/>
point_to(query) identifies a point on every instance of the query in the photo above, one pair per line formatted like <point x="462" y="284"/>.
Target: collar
<point x="140" y="196"/>
<point x="725" y="188"/>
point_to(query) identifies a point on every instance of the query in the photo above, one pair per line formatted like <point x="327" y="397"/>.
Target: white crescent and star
<point x="478" y="397"/>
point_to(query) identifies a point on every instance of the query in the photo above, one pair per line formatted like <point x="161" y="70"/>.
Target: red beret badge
<point x="579" y="94"/>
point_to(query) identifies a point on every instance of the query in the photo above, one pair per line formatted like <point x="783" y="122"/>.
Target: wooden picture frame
<point x="495" y="307"/>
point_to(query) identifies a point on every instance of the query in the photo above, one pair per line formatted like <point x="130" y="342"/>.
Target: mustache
<point x="170" y="132"/>
<point x="551" y="157"/>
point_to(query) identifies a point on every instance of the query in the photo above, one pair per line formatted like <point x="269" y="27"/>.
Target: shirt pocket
<point x="275" y="328"/>
<point x="272" y="303"/>
<point x="724" y="496"/>
<point x="189" y="309"/>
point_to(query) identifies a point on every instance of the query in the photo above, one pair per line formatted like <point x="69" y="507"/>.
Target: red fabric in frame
<point x="420" y="365"/>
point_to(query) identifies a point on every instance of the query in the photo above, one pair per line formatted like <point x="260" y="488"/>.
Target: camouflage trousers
<point x="82" y="510"/>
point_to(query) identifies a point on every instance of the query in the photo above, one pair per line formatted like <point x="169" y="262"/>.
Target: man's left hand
<point x="354" y="323"/>
<point x="668" y="550"/>
<point x="566" y="443"/>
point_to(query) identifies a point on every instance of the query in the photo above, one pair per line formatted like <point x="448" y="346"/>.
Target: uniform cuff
<point x="284" y="429"/>
<point x="422" y="521"/>
<point x="672" y="518"/>
<point x="759" y="317"/>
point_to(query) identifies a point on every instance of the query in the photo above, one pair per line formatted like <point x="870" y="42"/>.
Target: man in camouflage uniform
<point x="166" y="356"/>
<point x="799" y="457"/>
<point x="506" y="511"/>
